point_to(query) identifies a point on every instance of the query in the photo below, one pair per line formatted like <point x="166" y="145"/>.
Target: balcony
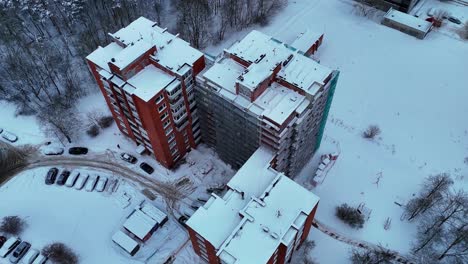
<point x="173" y="94"/>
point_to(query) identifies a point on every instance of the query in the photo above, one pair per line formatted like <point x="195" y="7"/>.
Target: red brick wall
<point x="239" y="60"/>
<point x="308" y="223"/>
<point x="211" y="251"/>
<point x="198" y="66"/>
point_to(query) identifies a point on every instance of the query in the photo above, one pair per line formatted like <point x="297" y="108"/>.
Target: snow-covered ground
<point x="83" y="220"/>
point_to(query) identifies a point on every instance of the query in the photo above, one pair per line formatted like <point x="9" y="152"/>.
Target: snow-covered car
<point x="19" y="252"/>
<point x="91" y="183"/>
<point x="30" y="256"/>
<point x="52" y="150"/>
<point x="146" y="168"/>
<point x="454" y="20"/>
<point x="82" y="179"/>
<point x="1" y="130"/>
<point x="9" y="245"/>
<point x="101" y="184"/>
<point x="72" y="178"/>
<point x="431" y="12"/>
<point x="51" y="176"/>
<point x="62" y="179"/>
<point x="9" y="136"/>
<point x="41" y="259"/>
<point x="128" y="158"/>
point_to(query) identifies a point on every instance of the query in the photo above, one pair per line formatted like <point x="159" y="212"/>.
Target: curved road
<point x="169" y="190"/>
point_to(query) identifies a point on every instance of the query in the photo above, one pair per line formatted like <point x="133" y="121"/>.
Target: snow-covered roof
<point x="265" y="53"/>
<point x="306" y="39"/>
<point x="130" y="53"/>
<point x="262" y="209"/>
<point x="408" y="20"/>
<point x="171" y="51"/>
<point x="153" y="212"/>
<point x="279" y="102"/>
<point x="150" y="81"/>
<point x="102" y="55"/>
<point x="124" y="241"/>
<point x="140" y="224"/>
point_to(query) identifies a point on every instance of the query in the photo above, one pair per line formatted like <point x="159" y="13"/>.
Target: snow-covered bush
<point x="350" y="215"/>
<point x="12" y="225"/>
<point x="93" y="131"/>
<point x="105" y="121"/>
<point x="371" y="132"/>
<point x="60" y="253"/>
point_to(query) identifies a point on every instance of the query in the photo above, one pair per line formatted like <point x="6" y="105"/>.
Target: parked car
<point x="82" y="179"/>
<point x="128" y="158"/>
<point x="41" y="259"/>
<point x="52" y="150"/>
<point x="30" y="256"/>
<point x="51" y="176"/>
<point x="431" y="12"/>
<point x="72" y="178"/>
<point x="182" y="220"/>
<point x="146" y="167"/>
<point x="454" y="20"/>
<point x="1" y="130"/>
<point x="2" y="240"/>
<point x="62" y="179"/>
<point x="101" y="184"/>
<point x="9" y="245"/>
<point x="78" y="151"/>
<point x="91" y="183"/>
<point x="9" y="136"/>
<point x="19" y="252"/>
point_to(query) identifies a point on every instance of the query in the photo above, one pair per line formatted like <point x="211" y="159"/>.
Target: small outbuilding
<point x="407" y="23"/>
<point x="126" y="243"/>
<point x="144" y="221"/>
<point x="308" y="42"/>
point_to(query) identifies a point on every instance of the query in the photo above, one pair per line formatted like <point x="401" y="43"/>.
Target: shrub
<point x="12" y="225"/>
<point x="350" y="216"/>
<point x="60" y="253"/>
<point x="105" y="121"/>
<point x="371" y="132"/>
<point x="93" y="131"/>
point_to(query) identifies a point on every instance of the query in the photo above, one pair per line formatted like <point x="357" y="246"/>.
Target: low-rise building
<point x="262" y="218"/>
<point x="405" y="23"/>
<point x="402" y="5"/>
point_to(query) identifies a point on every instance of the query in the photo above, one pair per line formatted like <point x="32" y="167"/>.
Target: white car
<point x="9" y="136"/>
<point x="101" y="184"/>
<point x="52" y="150"/>
<point x="91" y="183"/>
<point x="9" y="245"/>
<point x="82" y="179"/>
<point x="72" y="178"/>
<point x="41" y="259"/>
<point x="30" y="256"/>
<point x="431" y="12"/>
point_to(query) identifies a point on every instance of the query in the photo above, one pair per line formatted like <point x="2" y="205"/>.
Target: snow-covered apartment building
<point x="265" y="92"/>
<point x="147" y="77"/>
<point x="262" y="218"/>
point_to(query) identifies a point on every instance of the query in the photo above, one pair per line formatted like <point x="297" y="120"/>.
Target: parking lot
<point x="83" y="220"/>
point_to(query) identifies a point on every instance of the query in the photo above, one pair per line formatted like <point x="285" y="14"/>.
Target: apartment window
<point x="170" y="138"/>
<point x="174" y="151"/>
<point x="162" y="107"/>
<point x="168" y="131"/>
<point x="166" y="123"/>
<point x="164" y="115"/>
<point x="160" y="98"/>
<point x="173" y="144"/>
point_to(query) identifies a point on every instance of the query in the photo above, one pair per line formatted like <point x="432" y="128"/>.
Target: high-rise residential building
<point x="264" y="92"/>
<point x="263" y="217"/>
<point x="147" y="78"/>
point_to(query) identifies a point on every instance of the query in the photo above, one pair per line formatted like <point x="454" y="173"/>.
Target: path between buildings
<point x="399" y="258"/>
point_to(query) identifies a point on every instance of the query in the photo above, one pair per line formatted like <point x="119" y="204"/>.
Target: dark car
<point x="62" y="179"/>
<point x="19" y="252"/>
<point x="128" y="158"/>
<point x="182" y="220"/>
<point x="146" y="167"/>
<point x="454" y="20"/>
<point x="78" y="151"/>
<point x="2" y="240"/>
<point x="51" y="176"/>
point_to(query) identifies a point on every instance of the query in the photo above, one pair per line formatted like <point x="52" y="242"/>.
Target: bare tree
<point x="194" y="21"/>
<point x="433" y="190"/>
<point x="60" y="253"/>
<point x="12" y="157"/>
<point x="377" y="255"/>
<point x="12" y="225"/>
<point x="302" y="254"/>
<point x="60" y="121"/>
<point x="350" y="215"/>
<point x="371" y="132"/>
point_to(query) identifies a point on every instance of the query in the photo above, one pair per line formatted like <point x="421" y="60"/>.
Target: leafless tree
<point x="12" y="225"/>
<point x="364" y="10"/>
<point x="105" y="121"/>
<point x="194" y="21"/>
<point x="60" y="253"/>
<point x="12" y="157"/>
<point x="350" y="216"/>
<point x="60" y="121"/>
<point x="371" y="132"/>
<point x="377" y="255"/>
